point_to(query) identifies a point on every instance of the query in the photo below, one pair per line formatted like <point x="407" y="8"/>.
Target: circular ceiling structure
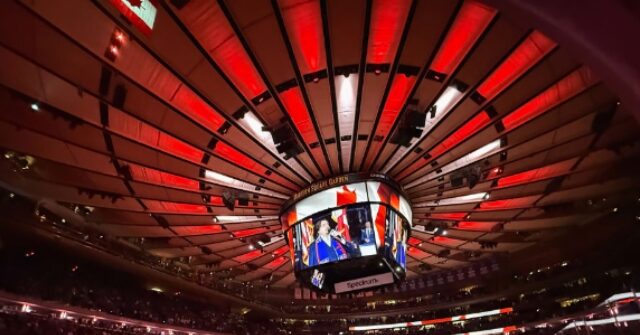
<point x="181" y="127"/>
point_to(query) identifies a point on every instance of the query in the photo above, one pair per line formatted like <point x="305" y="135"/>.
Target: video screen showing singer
<point x="330" y="245"/>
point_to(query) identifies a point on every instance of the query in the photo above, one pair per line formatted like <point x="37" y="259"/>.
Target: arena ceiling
<point x="150" y="122"/>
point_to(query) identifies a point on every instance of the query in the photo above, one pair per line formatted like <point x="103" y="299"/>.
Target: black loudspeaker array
<point x="410" y="126"/>
<point x="286" y="141"/>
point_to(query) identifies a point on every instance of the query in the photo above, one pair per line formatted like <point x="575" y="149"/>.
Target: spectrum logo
<point x="362" y="282"/>
<point x="365" y="282"/>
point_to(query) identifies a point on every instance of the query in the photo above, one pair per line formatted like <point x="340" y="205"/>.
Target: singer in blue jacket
<point x="328" y="247"/>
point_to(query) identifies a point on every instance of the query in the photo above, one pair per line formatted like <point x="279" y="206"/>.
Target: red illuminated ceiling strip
<point x="475" y="225"/>
<point x="297" y="110"/>
<point x="398" y="94"/>
<point x="209" y="25"/>
<point x="522" y="202"/>
<point x="448" y="216"/>
<point x="280" y="251"/>
<point x="468" y="129"/>
<point x="249" y="232"/>
<point x="387" y="20"/>
<point x="224" y="150"/>
<point x="215" y="200"/>
<point x="197" y="230"/>
<point x="178" y="147"/>
<point x="526" y="55"/>
<point x="189" y="102"/>
<point x="276" y="263"/>
<point x="448" y="241"/>
<point x="568" y="87"/>
<point x="472" y="19"/>
<point x="304" y="25"/>
<point x="173" y="207"/>
<point x="249" y="256"/>
<point x="545" y="172"/>
<point x="413" y="241"/>
<point x="132" y="128"/>
<point x="417" y="253"/>
<point x="153" y="176"/>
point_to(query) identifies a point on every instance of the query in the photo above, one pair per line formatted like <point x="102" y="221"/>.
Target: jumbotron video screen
<point x="344" y="232"/>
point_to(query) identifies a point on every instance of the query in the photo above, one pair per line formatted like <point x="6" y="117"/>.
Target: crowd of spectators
<point x="554" y="300"/>
<point x="457" y="294"/>
<point x="50" y="276"/>
<point x="53" y="277"/>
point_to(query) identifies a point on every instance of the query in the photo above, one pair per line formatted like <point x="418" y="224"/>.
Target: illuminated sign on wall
<point x="141" y="13"/>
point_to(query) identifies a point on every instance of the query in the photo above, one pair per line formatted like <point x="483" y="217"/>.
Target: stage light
<point x="35" y="107"/>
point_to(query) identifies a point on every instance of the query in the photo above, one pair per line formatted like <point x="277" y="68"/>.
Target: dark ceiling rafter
<point x="331" y="77"/>
<point x="394" y="68"/>
<point x="446" y="83"/>
<point x="300" y="81"/>
<point x="272" y="91"/>
<point x="508" y="161"/>
<point x="361" y="73"/>
<point x="247" y="103"/>
<point x="111" y="133"/>
<point x="509" y="146"/>
<point x="85" y="148"/>
<point x="129" y="80"/>
<point x="483" y="233"/>
<point x="206" y="249"/>
<point x="491" y="123"/>
<point x="467" y="93"/>
<point x="185" y="82"/>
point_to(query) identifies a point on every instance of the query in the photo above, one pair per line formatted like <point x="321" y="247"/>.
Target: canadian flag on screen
<point x="345" y="196"/>
<point x="141" y="13"/>
<point x="340" y="217"/>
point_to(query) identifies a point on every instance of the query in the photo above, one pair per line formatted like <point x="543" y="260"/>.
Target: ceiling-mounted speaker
<point x="404" y="135"/>
<point x="281" y="134"/>
<point x="410" y="127"/>
<point x="457" y="179"/>
<point x="119" y="96"/>
<point x="474" y="174"/>
<point x="229" y="199"/>
<point x="415" y="118"/>
<point x="289" y="148"/>
<point x="243" y="199"/>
